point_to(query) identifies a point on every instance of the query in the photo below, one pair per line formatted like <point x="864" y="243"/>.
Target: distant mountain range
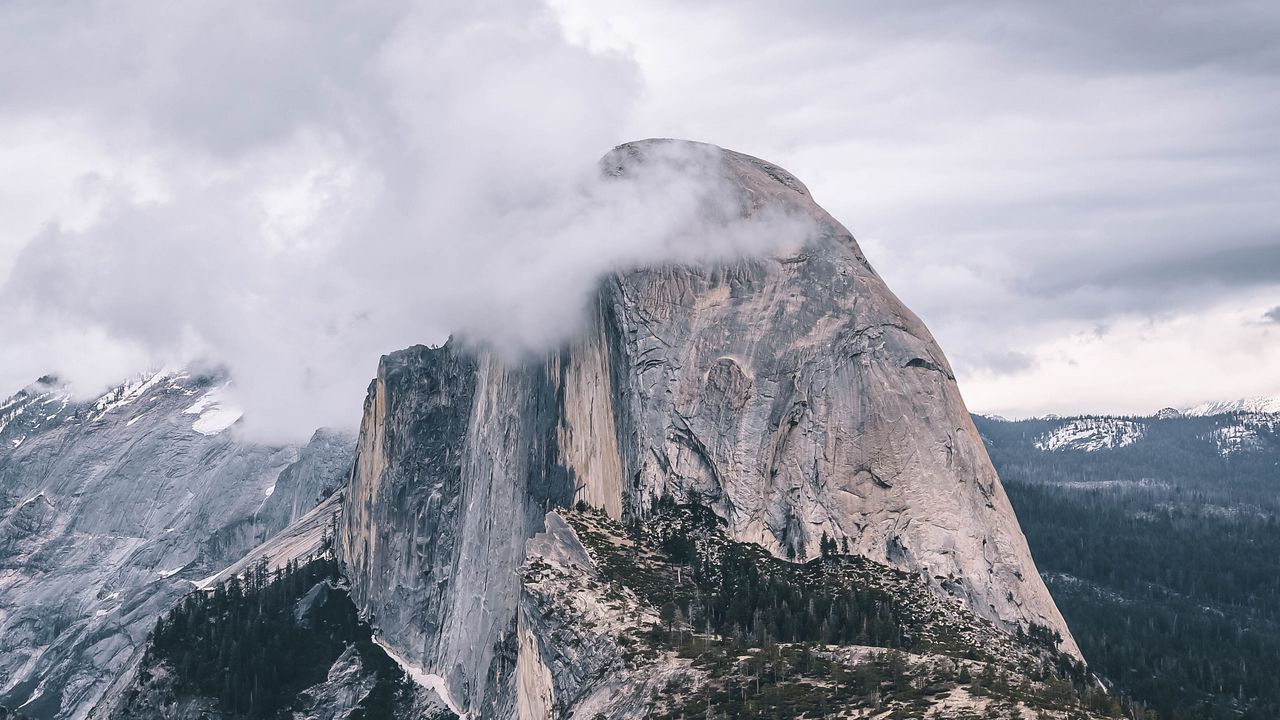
<point x="1158" y="537"/>
<point x="1229" y="427"/>
<point x="1270" y="405"/>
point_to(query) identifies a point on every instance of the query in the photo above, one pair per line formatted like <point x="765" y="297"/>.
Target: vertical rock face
<point x="110" y="510"/>
<point x="790" y="391"/>
<point x="456" y="461"/>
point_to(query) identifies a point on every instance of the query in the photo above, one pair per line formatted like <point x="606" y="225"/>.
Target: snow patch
<point x="212" y="422"/>
<point x="206" y="583"/>
<point x="34" y="696"/>
<point x="1244" y="434"/>
<point x="215" y="415"/>
<point x="1144" y="483"/>
<point x="1091" y="434"/>
<point x="127" y="393"/>
<point x="8" y="415"/>
<point x="425" y="679"/>
<point x="38" y="496"/>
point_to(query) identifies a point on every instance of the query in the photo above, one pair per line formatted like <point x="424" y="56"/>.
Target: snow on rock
<point x="215" y="413"/>
<point x="214" y="421"/>
<point x="1254" y="405"/>
<point x="425" y="679"/>
<point x="108" y="510"/>
<point x="1243" y="433"/>
<point x="1091" y="434"/>
<point x="30" y="409"/>
<point x="11" y="410"/>
<point x="128" y="393"/>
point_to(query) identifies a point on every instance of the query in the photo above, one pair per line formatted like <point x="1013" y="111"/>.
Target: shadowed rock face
<point x="456" y="463"/>
<point x="791" y="392"/>
<point x="110" y="510"/>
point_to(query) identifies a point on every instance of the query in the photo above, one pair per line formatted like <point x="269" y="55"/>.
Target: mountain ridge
<point x="110" y="507"/>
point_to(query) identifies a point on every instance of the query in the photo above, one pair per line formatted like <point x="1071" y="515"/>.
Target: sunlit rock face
<point x="790" y="391"/>
<point x="110" y="510"/>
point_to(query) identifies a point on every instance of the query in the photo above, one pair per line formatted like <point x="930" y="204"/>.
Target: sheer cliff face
<point x="791" y="392"/>
<point x="455" y="467"/>
<point x="110" y="510"/>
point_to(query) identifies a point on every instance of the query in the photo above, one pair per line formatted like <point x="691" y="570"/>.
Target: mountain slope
<point x="110" y="509"/>
<point x="278" y="642"/>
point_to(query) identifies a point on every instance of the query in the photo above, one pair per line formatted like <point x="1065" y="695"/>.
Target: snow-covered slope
<point x="1244" y="432"/>
<point x="1268" y="405"/>
<point x="1243" y="425"/>
<point x="110" y="509"/>
<point x="1090" y="434"/>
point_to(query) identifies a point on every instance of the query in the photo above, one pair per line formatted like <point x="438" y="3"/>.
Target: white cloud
<point x="295" y="188"/>
<point x="331" y="184"/>
<point x="1018" y="172"/>
<point x="1141" y="364"/>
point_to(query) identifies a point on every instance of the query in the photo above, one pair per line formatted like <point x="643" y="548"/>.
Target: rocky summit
<point x="790" y="394"/>
<point x="748" y="487"/>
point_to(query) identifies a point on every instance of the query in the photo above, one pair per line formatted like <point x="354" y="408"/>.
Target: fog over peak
<point x="1079" y="200"/>
<point x="310" y="186"/>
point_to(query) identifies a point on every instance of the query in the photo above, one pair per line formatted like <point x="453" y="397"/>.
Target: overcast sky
<point x="1082" y="200"/>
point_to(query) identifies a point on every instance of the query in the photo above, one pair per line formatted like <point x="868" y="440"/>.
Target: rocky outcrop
<point x="595" y="642"/>
<point x="789" y="391"/>
<point x="110" y="510"/>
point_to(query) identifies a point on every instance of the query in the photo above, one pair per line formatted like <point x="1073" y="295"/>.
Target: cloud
<point x="1221" y="351"/>
<point x="1019" y="173"/>
<point x="294" y="188"/>
<point x="1272" y="315"/>
<point x="1001" y="362"/>
<point x="324" y="183"/>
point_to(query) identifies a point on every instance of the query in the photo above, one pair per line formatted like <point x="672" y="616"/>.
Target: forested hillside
<point x="271" y="646"/>
<point x="1160" y="542"/>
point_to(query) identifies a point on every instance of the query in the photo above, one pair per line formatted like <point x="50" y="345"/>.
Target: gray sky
<point x="1080" y="199"/>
